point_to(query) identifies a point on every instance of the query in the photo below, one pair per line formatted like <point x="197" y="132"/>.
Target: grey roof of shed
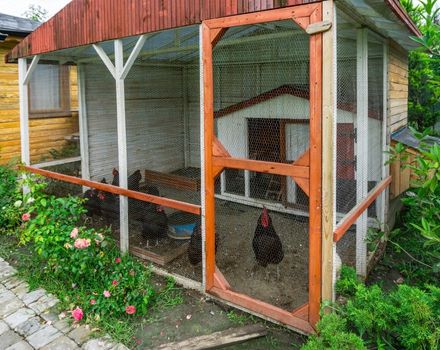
<point x="17" y="25"/>
<point x="406" y="137"/>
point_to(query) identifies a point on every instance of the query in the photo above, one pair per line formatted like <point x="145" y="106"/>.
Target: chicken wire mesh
<point x="262" y="250"/>
<point x="346" y="128"/>
<point x="162" y="128"/>
<point x="261" y="104"/>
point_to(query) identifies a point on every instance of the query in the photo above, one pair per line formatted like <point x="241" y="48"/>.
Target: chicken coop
<point x="238" y="146"/>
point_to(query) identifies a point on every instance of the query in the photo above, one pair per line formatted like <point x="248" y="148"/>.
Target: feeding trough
<point x="181" y="225"/>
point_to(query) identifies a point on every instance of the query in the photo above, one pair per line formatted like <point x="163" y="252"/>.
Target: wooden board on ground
<point x="171" y="180"/>
<point x="158" y="258"/>
<point x="218" y="339"/>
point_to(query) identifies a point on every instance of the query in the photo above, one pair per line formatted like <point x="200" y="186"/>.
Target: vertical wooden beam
<point x="315" y="199"/>
<point x="384" y="198"/>
<point x="83" y="127"/>
<point x="122" y="143"/>
<point x="202" y="150"/>
<point x="362" y="148"/>
<point x="24" y="111"/>
<point x="328" y="147"/>
<point x="208" y="103"/>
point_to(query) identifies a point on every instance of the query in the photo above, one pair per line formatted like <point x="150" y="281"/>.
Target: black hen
<point x="266" y="243"/>
<point x="195" y="245"/>
<point x="132" y="181"/>
<point x="154" y="219"/>
<point x="93" y="201"/>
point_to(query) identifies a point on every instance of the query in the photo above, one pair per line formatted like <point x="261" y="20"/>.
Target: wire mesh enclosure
<point x="225" y="187"/>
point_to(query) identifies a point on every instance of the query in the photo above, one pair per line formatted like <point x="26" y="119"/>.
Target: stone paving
<point x="27" y="322"/>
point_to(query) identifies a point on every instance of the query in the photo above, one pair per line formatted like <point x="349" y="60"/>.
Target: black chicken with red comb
<point x="267" y="246"/>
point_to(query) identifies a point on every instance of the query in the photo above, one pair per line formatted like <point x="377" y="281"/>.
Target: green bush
<point x="368" y="317"/>
<point x="11" y="203"/>
<point x="84" y="261"/>
<point x="333" y="335"/>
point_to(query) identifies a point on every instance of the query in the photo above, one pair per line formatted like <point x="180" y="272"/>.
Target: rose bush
<point x="98" y="283"/>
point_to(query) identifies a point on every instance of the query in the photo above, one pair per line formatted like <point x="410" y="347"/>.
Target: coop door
<point x="297" y="142"/>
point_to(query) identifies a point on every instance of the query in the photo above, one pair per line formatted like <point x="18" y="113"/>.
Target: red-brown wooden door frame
<point x="305" y="317"/>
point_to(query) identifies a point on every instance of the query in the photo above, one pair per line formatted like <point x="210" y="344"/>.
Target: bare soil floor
<point x="284" y="285"/>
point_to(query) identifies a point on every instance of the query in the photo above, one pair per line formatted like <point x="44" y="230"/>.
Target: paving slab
<point x="80" y="334"/>
<point x="43" y="337"/>
<point x="3" y="327"/>
<point x="61" y="343"/>
<point x="21" y="289"/>
<point x="44" y="303"/>
<point x="30" y="326"/>
<point x="21" y="345"/>
<point x="9" y="307"/>
<point x="103" y="343"/>
<point x="33" y="296"/>
<point x="19" y="316"/>
<point x="9" y="338"/>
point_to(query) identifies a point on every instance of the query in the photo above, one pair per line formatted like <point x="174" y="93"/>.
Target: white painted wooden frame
<point x="362" y="148"/>
<point x="202" y="156"/>
<point x="384" y="198"/>
<point x="83" y="124"/>
<point x="120" y="72"/>
<point x="24" y="76"/>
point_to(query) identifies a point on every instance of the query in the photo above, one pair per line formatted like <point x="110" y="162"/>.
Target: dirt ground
<point x="199" y="315"/>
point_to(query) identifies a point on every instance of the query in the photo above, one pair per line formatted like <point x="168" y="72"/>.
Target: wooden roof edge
<point x="400" y="12"/>
<point x="61" y="31"/>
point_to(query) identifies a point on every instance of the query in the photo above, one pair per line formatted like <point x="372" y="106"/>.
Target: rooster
<point x="266" y="244"/>
<point x="154" y="219"/>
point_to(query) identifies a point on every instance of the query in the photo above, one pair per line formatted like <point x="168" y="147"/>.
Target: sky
<point x="18" y="7"/>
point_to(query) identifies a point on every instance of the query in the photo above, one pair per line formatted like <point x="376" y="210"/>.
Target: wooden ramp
<point x="218" y="339"/>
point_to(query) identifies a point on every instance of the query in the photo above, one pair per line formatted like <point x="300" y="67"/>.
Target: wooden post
<point x="83" y="128"/>
<point x="24" y="75"/>
<point x="208" y="103"/>
<point x="384" y="198"/>
<point x="362" y="148"/>
<point x="315" y="177"/>
<point x="328" y="147"/>
<point x="202" y="151"/>
<point x="122" y="143"/>
<point x="120" y="71"/>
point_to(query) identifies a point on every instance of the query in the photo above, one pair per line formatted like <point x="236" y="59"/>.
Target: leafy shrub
<point x="96" y="282"/>
<point x="10" y="200"/>
<point x="333" y="335"/>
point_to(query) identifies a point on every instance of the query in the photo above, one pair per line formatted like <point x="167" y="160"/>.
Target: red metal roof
<point x="84" y="22"/>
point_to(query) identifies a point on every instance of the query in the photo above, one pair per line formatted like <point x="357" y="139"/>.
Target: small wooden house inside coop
<point x="237" y="145"/>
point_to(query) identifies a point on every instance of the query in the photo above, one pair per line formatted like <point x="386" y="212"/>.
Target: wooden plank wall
<point x="397" y="87"/>
<point x="154" y="113"/>
<point x="46" y="133"/>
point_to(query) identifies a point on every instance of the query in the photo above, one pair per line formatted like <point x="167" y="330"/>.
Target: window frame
<point x="64" y="93"/>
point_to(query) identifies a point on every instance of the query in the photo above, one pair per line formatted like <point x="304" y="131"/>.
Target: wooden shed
<point x="242" y="117"/>
<point x="59" y="124"/>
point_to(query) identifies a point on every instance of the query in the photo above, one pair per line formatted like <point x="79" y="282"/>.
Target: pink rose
<point x="77" y="314"/>
<point x="82" y="243"/>
<point x="106" y="294"/>
<point x="117" y="260"/>
<point x="130" y="309"/>
<point x="92" y="302"/>
<point x="26" y="217"/>
<point x="74" y="233"/>
<point x="115" y="283"/>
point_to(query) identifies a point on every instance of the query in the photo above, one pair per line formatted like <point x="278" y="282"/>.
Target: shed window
<point x="49" y="94"/>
